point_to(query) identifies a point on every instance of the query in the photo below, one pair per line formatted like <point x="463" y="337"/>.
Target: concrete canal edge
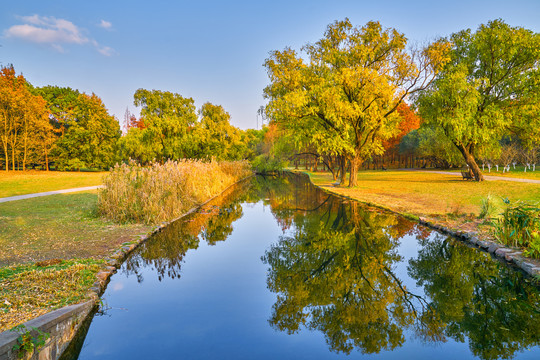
<point x="62" y="325"/>
<point x="511" y="256"/>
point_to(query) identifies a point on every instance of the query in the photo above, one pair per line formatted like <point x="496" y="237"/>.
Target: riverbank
<point x="52" y="249"/>
<point x="441" y="201"/>
<point x="42" y="236"/>
<point x="57" y="238"/>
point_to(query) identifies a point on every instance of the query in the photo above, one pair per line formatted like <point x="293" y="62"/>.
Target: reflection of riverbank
<point x="469" y="229"/>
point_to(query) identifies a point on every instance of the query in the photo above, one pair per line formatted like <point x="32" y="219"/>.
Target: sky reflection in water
<point x="279" y="269"/>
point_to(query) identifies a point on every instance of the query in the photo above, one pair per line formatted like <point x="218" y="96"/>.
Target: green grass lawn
<point x="61" y="226"/>
<point x="14" y="183"/>
<point x="64" y="227"/>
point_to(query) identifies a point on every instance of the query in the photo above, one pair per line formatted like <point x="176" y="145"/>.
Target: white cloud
<point x="53" y="31"/>
<point x="47" y="30"/>
<point x="106" y="51"/>
<point x="105" y="24"/>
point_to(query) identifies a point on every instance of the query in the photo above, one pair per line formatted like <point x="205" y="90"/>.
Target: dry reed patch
<point x="162" y="192"/>
<point x="30" y="291"/>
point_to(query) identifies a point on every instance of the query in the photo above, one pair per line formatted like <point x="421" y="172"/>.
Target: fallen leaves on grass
<point x="29" y="291"/>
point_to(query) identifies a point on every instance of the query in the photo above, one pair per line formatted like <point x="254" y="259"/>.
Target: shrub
<point x="519" y="225"/>
<point x="162" y="192"/>
<point x="533" y="250"/>
<point x="487" y="207"/>
<point x="267" y="164"/>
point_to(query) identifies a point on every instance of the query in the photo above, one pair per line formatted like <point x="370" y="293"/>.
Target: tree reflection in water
<point x="333" y="271"/>
<point x="164" y="252"/>
<point x="480" y="300"/>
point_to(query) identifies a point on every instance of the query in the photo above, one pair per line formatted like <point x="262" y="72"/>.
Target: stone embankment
<point x="510" y="255"/>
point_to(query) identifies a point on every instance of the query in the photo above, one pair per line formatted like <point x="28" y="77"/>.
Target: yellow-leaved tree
<point x="343" y="98"/>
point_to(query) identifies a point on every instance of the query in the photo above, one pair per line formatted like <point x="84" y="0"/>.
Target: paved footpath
<point x="486" y="177"/>
<point x="28" y="196"/>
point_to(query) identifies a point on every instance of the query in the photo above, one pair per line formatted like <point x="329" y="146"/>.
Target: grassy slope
<point x="64" y="226"/>
<point x="28" y="291"/>
<point x="14" y="183"/>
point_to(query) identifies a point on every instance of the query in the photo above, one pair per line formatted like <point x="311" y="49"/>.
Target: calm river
<point x="277" y="269"/>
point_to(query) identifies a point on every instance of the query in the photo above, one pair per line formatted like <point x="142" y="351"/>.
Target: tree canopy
<point x="344" y="100"/>
<point x="490" y="88"/>
<point x="90" y="140"/>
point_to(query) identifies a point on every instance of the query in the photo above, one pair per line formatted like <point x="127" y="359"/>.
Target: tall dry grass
<point x="162" y="192"/>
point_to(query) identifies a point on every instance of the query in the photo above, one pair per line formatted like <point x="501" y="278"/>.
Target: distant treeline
<point x="64" y="129"/>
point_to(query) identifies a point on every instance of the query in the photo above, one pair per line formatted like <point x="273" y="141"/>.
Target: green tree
<point x="62" y="102"/>
<point x="344" y="100"/>
<point x="215" y="136"/>
<point x="490" y="88"/>
<point x="137" y="144"/>
<point x="169" y="120"/>
<point x="90" y="140"/>
<point x="430" y="143"/>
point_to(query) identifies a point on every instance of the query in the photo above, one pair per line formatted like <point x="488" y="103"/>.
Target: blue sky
<point x="208" y="50"/>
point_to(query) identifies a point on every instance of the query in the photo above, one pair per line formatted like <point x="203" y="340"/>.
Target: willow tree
<point x="168" y="119"/>
<point x="215" y="136"/>
<point x="490" y="88"/>
<point x="343" y="98"/>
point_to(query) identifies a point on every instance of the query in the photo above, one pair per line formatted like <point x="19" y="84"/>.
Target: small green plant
<point x="518" y="225"/>
<point x="26" y="342"/>
<point x="533" y="249"/>
<point x="487" y="207"/>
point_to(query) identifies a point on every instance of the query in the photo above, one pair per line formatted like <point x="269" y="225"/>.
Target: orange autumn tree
<point x="409" y="121"/>
<point x="25" y="131"/>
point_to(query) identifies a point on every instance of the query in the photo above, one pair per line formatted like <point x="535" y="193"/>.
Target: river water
<point x="278" y="269"/>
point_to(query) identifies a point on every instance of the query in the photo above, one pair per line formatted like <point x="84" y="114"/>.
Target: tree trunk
<point x="466" y="151"/>
<point x="353" y="176"/>
<point x="6" y="153"/>
<point x="342" y="172"/>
